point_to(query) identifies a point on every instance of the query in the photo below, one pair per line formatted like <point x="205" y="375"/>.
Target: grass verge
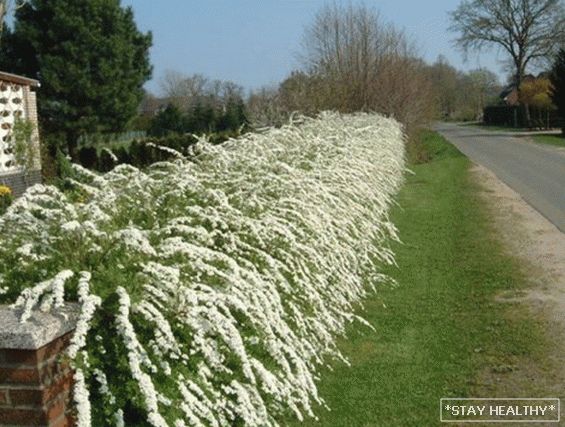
<point x="556" y="140"/>
<point x="440" y="329"/>
<point x="483" y="126"/>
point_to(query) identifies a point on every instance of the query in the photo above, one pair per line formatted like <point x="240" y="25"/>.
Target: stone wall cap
<point x="39" y="330"/>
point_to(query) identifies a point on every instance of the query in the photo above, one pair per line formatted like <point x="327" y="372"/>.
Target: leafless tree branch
<point x="528" y="30"/>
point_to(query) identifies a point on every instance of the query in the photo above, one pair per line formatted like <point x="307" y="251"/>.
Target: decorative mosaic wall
<point x="12" y="107"/>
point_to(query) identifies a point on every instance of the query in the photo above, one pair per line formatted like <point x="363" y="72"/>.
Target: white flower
<point x="89" y="304"/>
<point x="111" y="154"/>
<point x="53" y="290"/>
<point x="125" y="329"/>
<point x="166" y="150"/>
<point x="119" y="417"/>
<point x="104" y="389"/>
<point x="81" y="399"/>
<point x="70" y="226"/>
<point x="135" y="239"/>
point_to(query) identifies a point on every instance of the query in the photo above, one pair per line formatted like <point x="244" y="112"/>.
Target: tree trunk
<point x="519" y="77"/>
<point x="2" y="16"/>
<point x="528" y="116"/>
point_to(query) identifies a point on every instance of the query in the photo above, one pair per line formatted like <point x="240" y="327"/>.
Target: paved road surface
<point x="535" y="171"/>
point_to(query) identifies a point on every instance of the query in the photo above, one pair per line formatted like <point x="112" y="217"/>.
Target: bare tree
<point x="183" y="90"/>
<point x="3" y="12"/>
<point x="527" y="30"/>
<point x="230" y="91"/>
<point x="446" y="83"/>
<point x="358" y="62"/>
<point x="302" y="92"/>
<point x="6" y="7"/>
<point x="482" y="86"/>
<point x="265" y="108"/>
<point x="345" y="45"/>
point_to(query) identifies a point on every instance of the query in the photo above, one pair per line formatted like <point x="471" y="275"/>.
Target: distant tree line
<point x="352" y="60"/>
<point x="478" y="95"/>
<point x="197" y="105"/>
<point x="434" y="91"/>
<point x="462" y="95"/>
<point x="344" y="74"/>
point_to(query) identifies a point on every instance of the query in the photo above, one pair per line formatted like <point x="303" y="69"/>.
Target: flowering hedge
<point x="211" y="289"/>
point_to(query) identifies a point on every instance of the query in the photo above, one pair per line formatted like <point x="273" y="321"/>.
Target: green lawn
<point x="557" y="140"/>
<point x="440" y="327"/>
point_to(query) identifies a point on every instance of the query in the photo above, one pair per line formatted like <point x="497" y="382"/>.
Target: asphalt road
<point x="535" y="171"/>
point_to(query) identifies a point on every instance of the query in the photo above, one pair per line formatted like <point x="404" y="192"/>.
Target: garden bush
<point x="211" y="289"/>
<point x="5" y="198"/>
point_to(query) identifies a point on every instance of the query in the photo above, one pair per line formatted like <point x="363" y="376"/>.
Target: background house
<point x="18" y="101"/>
<point x="510" y="96"/>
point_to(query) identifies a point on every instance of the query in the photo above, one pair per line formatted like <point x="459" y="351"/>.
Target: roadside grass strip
<point x="549" y="139"/>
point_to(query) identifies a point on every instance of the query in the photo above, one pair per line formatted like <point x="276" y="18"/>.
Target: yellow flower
<point x="5" y="191"/>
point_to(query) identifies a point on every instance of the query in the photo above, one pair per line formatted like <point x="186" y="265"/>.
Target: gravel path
<point x="540" y="247"/>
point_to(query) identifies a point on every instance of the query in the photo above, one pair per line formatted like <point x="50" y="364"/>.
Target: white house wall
<point x="12" y="106"/>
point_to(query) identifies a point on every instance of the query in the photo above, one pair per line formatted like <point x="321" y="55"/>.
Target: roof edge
<point x="14" y="78"/>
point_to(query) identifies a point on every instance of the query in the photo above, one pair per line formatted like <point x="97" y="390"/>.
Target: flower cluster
<point x="212" y="288"/>
<point x="5" y="191"/>
<point x="5" y="198"/>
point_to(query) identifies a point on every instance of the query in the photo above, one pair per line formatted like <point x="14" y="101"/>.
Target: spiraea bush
<point x="211" y="289"/>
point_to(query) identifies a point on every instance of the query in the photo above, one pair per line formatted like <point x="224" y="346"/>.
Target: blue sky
<point x="257" y="42"/>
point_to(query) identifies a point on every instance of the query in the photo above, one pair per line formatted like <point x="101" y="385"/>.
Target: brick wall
<point x="35" y="386"/>
<point x="35" y="383"/>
